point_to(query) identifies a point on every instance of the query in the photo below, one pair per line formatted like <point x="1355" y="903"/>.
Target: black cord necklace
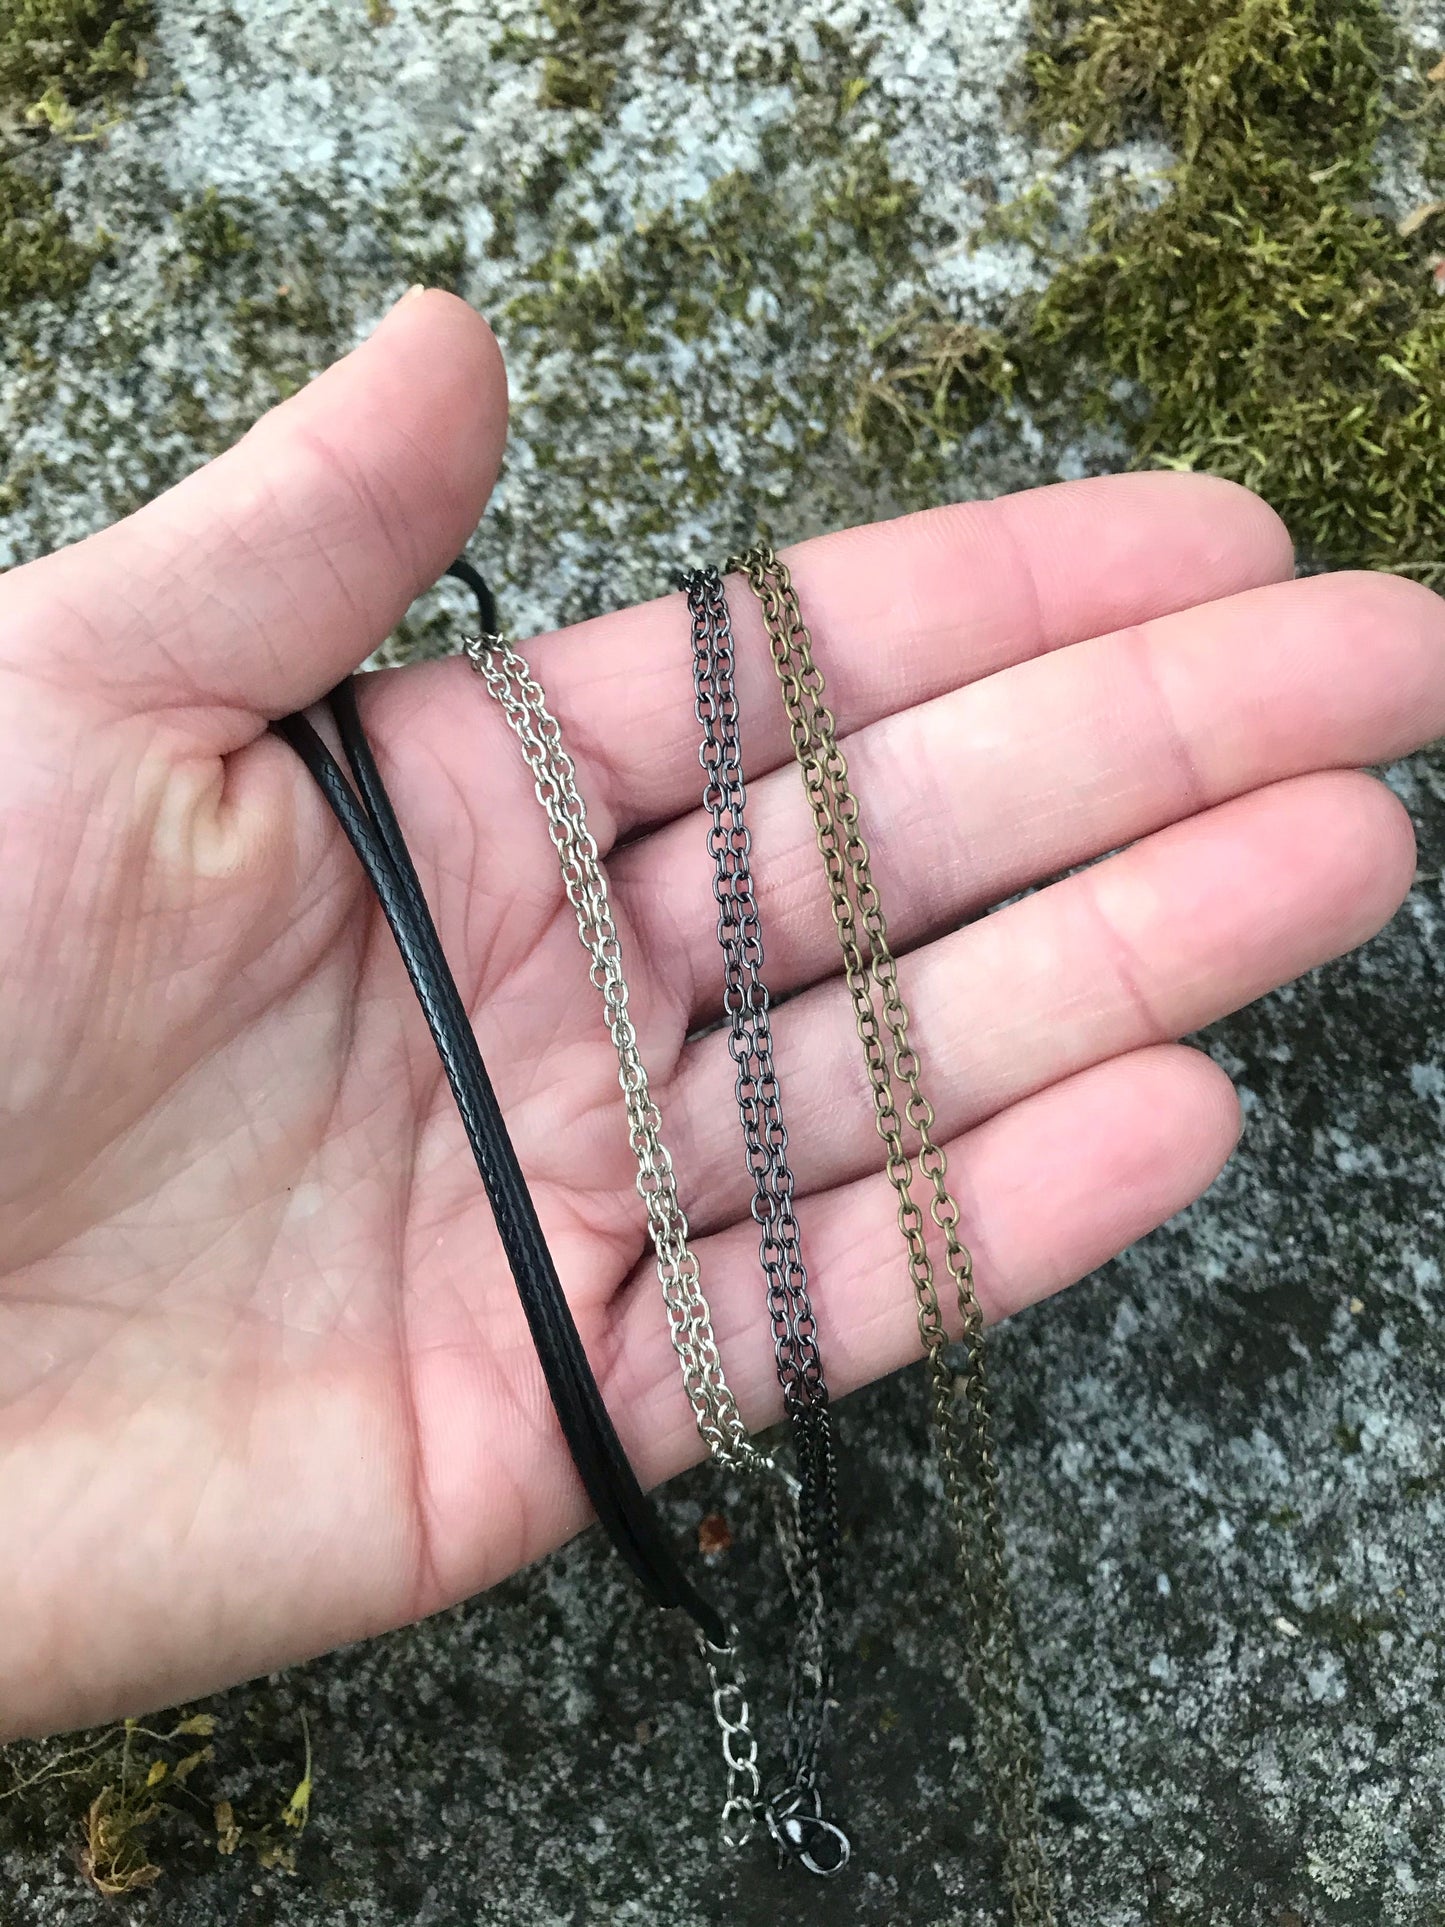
<point x="369" y="820"/>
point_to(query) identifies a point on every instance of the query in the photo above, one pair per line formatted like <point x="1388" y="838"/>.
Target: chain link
<point x="743" y="1801"/>
<point x="719" y="1422"/>
<point x="960" y="1401"/>
<point x="750" y="1043"/>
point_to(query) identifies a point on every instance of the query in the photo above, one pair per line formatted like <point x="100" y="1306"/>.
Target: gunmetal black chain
<point x="961" y="1405"/>
<point x="795" y="1329"/>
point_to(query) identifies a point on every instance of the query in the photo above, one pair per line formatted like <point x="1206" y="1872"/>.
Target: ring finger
<point x="1145" y="947"/>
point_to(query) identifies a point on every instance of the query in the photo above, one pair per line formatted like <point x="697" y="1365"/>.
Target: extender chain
<point x="720" y="1424"/>
<point x="961" y="1407"/>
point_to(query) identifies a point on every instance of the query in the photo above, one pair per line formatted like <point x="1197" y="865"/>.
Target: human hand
<point x="259" y="1353"/>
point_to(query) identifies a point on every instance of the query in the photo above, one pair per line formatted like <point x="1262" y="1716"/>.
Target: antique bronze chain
<point x="960" y="1400"/>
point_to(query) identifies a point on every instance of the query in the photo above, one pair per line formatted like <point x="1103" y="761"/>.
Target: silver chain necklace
<point x="720" y="1424"/>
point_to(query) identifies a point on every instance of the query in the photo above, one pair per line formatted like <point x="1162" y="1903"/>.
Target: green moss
<point x="1278" y="328"/>
<point x="931" y="381"/>
<point x="134" y="1801"/>
<point x="1260" y="317"/>
<point x="39" y="254"/>
<point x="422" y="224"/>
<point x="214" y="228"/>
<point x="71" y="53"/>
<point x="578" y="51"/>
<point x="576" y="81"/>
<point x="58" y="58"/>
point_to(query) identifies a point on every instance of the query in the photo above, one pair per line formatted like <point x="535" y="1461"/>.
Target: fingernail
<point x="401" y="302"/>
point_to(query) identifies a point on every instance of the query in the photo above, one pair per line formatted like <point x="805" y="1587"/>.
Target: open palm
<point x="259" y="1352"/>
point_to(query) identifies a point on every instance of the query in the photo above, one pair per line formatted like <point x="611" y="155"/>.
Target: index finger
<point x="904" y="611"/>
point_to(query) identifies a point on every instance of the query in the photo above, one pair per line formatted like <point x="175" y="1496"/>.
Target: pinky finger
<point x="1048" y="1190"/>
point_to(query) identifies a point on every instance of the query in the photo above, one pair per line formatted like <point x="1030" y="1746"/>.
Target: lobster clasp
<point x="795" y="1820"/>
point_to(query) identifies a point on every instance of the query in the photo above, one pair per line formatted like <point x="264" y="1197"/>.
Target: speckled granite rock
<point x="1223" y="1454"/>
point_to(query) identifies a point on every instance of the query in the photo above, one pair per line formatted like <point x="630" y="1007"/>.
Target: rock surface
<point x="1223" y="1454"/>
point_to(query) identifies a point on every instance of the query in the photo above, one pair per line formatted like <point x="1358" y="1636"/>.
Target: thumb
<point x="260" y="581"/>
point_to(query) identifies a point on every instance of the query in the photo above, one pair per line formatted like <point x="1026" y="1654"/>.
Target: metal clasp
<point x="795" y="1820"/>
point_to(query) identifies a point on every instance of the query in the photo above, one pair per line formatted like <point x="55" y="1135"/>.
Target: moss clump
<point x="39" y="255"/>
<point x="57" y="59"/>
<point x="1256" y="313"/>
<point x="578" y="53"/>
<point x="576" y="81"/>
<point x="1275" y="326"/>
<point x="133" y="1798"/>
<point x="59" y="55"/>
<point x="421" y="222"/>
<point x="213" y="230"/>
<point x="931" y="380"/>
<point x="1270" y="322"/>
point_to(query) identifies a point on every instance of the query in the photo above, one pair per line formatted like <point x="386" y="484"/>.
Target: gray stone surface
<point x="1223" y="1454"/>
